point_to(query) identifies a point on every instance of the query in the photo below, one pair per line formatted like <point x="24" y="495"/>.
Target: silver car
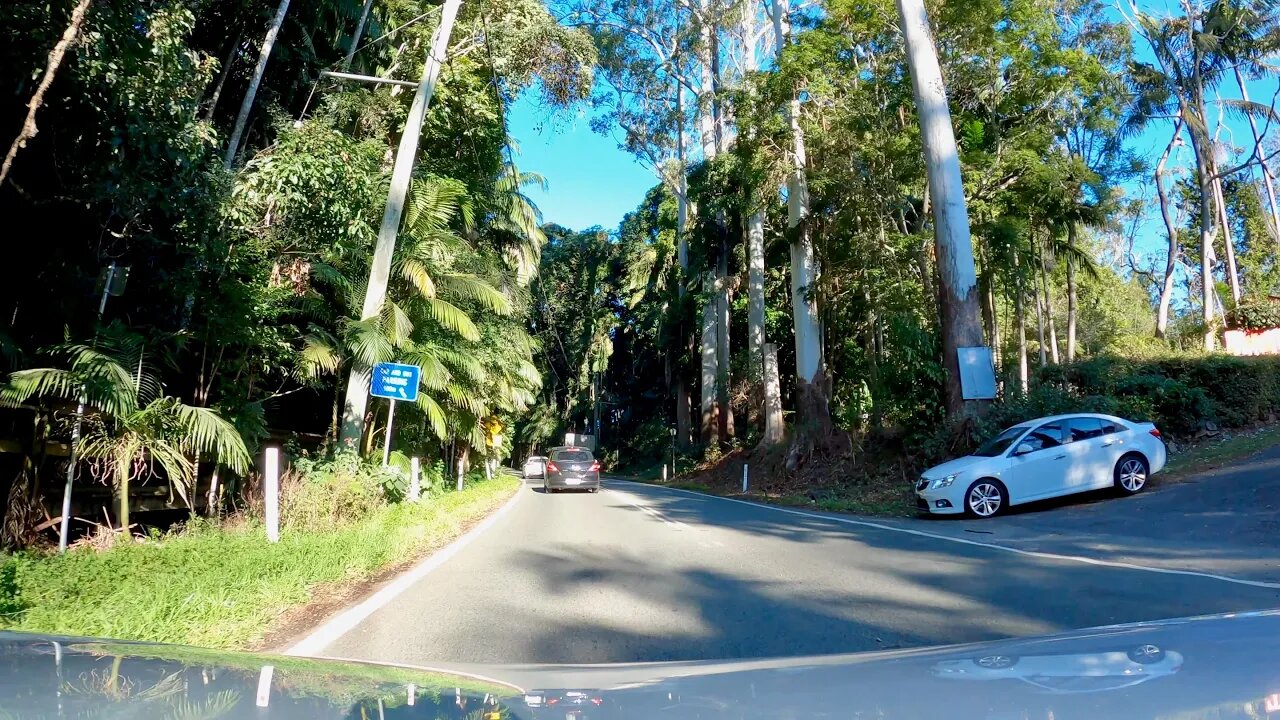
<point x="535" y="467"/>
<point x="571" y="468"/>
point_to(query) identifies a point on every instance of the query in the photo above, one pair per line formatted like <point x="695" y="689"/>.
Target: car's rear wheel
<point x="1131" y="474"/>
<point x="985" y="498"/>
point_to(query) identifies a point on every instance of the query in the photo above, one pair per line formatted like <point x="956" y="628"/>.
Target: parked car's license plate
<point x="572" y="481"/>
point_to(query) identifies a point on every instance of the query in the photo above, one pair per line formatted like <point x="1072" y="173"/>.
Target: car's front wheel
<point x="1131" y="474"/>
<point x="985" y="498"/>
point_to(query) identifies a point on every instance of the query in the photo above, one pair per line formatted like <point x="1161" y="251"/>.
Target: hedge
<point x="1181" y="394"/>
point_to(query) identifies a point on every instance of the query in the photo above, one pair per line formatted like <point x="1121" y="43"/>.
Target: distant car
<point x="535" y="467"/>
<point x="1044" y="458"/>
<point x="571" y="467"/>
<point x="1066" y="673"/>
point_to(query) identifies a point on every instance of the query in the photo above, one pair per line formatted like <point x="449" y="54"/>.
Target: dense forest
<point x="200" y="196"/>
<point x="1118" y="201"/>
<point x="200" y="206"/>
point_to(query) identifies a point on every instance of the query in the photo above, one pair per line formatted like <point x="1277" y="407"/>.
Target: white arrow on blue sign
<point x="395" y="381"/>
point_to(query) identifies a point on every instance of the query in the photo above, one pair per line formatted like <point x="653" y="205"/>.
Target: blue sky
<point x="593" y="182"/>
<point x="590" y="181"/>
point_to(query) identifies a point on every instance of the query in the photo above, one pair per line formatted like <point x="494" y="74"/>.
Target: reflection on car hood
<point x="1220" y="666"/>
<point x="953" y="466"/>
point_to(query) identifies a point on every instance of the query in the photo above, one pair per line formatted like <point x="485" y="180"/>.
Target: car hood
<point x="954" y="466"/>
<point x="1225" y="669"/>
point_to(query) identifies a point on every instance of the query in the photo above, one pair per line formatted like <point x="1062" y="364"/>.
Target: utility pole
<point x="401" y="174"/>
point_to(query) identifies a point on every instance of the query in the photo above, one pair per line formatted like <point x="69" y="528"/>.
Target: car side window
<point x="1046" y="436"/>
<point x="1083" y="428"/>
<point x="1109" y="427"/>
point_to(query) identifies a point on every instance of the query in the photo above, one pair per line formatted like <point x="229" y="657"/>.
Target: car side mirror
<point x="1023" y="449"/>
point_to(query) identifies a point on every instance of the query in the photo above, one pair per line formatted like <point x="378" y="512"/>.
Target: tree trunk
<point x="1171" y="233"/>
<point x="813" y="411"/>
<point x="755" y="310"/>
<point x="1048" y="309"/>
<point x="684" y="421"/>
<point x="1204" y="182"/>
<point x="1268" y="179"/>
<point x="29" y="129"/>
<point x="1035" y="294"/>
<point x="246" y="105"/>
<point x="222" y="77"/>
<point x="1220" y="201"/>
<point x="355" y="37"/>
<point x="996" y="343"/>
<point x="709" y="346"/>
<point x="1020" y="313"/>
<point x="122" y="513"/>
<point x="1071" y="293"/>
<point x="773" y="428"/>
<point x="961" y="314"/>
<point x="708" y="103"/>
<point x="724" y="411"/>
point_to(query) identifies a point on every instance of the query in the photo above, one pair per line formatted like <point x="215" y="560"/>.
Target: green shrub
<point x="11" y="603"/>
<point x="1173" y="405"/>
<point x="1257" y="313"/>
<point x="1183" y="391"/>
<point x="316" y="495"/>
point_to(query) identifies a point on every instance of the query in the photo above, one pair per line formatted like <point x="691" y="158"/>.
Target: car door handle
<point x="1060" y="456"/>
<point x="1108" y="443"/>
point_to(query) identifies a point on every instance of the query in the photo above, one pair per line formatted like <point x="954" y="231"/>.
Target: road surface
<point x="642" y="573"/>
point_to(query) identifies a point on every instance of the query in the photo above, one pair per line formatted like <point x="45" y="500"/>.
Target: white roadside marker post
<point x="415" y="482"/>
<point x="272" y="495"/>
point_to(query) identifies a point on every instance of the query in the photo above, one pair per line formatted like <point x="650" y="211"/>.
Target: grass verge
<point x="1216" y="452"/>
<point x="224" y="587"/>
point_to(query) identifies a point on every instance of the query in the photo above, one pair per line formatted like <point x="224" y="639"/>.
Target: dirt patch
<point x="329" y="599"/>
<point x="870" y="475"/>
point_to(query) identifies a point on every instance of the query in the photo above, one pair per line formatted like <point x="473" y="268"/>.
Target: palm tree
<point x="136" y="427"/>
<point x="435" y="271"/>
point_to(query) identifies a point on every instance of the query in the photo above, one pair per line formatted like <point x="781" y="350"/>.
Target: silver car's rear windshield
<point x="572" y="455"/>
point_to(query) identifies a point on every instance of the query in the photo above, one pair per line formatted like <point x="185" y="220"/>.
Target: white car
<point x="1090" y="672"/>
<point x="535" y="467"/>
<point x="1044" y="458"/>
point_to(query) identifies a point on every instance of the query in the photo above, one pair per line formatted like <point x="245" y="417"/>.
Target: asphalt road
<point x="641" y="573"/>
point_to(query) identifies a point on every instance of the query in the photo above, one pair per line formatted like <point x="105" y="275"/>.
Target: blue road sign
<point x="395" y="381"/>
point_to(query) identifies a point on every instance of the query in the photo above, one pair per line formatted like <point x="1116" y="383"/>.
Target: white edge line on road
<point x="635" y="502"/>
<point x="974" y="543"/>
<point x="340" y="624"/>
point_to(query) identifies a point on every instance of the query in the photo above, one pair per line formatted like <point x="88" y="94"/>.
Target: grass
<point x="1217" y="452"/>
<point x="223" y="588"/>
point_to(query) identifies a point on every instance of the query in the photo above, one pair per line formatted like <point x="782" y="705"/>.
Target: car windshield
<point x="574" y="455"/>
<point x="1000" y="443"/>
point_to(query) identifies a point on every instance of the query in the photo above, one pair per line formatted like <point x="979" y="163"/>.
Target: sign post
<point x="394" y="382"/>
<point x="386" y="440"/>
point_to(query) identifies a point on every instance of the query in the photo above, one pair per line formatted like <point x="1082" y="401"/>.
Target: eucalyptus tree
<point x="1192" y="53"/>
<point x="652" y="80"/>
